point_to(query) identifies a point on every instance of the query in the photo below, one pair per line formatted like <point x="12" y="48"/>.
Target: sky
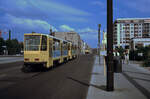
<point x="81" y="16"/>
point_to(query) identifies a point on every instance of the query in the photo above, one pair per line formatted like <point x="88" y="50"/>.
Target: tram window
<point x="56" y="45"/>
<point x="32" y="43"/>
<point x="64" y="46"/>
<point x="44" y="43"/>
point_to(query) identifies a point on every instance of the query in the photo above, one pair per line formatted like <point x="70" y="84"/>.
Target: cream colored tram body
<point x="46" y="50"/>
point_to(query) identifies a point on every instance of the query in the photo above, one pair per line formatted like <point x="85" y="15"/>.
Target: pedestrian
<point x="123" y="57"/>
<point x="127" y="58"/>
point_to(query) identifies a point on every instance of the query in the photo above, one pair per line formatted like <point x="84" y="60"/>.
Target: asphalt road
<point x="66" y="81"/>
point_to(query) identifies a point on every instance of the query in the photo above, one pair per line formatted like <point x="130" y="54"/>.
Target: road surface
<point x="66" y="81"/>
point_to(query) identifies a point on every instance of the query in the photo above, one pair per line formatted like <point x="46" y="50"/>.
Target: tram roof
<point x="48" y="36"/>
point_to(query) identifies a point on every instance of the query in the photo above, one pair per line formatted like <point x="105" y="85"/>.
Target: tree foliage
<point x="12" y="46"/>
<point x="120" y="50"/>
<point x="2" y="43"/>
<point x="145" y="55"/>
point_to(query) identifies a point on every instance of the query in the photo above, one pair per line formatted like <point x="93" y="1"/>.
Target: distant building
<point x="104" y="41"/>
<point x="74" y="38"/>
<point x="139" y="42"/>
<point x="70" y="36"/>
<point x="127" y="28"/>
<point x="82" y="46"/>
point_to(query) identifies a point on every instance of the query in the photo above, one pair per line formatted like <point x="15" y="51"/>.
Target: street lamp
<point x="110" y="74"/>
<point x="99" y="33"/>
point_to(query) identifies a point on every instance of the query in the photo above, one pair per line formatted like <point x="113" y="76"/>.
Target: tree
<point x="13" y="46"/>
<point x="147" y="56"/>
<point x="2" y="43"/>
<point x="120" y="50"/>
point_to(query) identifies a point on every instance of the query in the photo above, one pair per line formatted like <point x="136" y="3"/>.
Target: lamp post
<point x="99" y="33"/>
<point x="9" y="34"/>
<point x="110" y="75"/>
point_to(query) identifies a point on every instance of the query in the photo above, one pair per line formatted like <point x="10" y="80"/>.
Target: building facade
<point x="127" y="28"/>
<point x="71" y="36"/>
<point x="104" y="41"/>
<point x="139" y="42"/>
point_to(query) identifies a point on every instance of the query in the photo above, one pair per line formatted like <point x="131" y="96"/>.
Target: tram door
<point x="50" y="48"/>
<point x="50" y="52"/>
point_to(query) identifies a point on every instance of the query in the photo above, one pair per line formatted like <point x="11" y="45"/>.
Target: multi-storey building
<point x="139" y="42"/>
<point x="127" y="28"/>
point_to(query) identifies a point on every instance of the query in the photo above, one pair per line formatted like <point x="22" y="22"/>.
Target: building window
<point x="132" y="24"/>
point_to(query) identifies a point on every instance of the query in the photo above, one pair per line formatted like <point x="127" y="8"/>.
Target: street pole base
<point x="109" y="89"/>
<point x="110" y="81"/>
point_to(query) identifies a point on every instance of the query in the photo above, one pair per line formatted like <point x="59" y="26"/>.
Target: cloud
<point x="85" y="33"/>
<point x="88" y="33"/>
<point x="139" y="5"/>
<point x="74" y="19"/>
<point x="101" y="6"/>
<point x="99" y="3"/>
<point x="42" y="9"/>
<point x="66" y="28"/>
<point x="57" y="7"/>
<point x="87" y="30"/>
<point x="26" y="24"/>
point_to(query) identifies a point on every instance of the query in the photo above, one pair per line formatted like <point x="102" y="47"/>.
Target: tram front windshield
<point x="32" y="42"/>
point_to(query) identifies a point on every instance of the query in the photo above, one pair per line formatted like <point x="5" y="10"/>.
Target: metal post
<point x="50" y="31"/>
<point x="9" y="34"/>
<point x="110" y="75"/>
<point x="99" y="28"/>
<point x="0" y="33"/>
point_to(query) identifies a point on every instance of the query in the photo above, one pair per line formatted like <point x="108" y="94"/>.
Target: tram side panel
<point x="69" y="50"/>
<point x="74" y="51"/>
<point x="56" y="51"/>
<point x="50" y="54"/>
<point x="65" y="51"/>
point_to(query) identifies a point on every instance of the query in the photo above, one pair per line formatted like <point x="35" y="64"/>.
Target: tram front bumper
<point x="35" y="63"/>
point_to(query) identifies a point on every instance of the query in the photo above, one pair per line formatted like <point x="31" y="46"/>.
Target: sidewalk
<point x="124" y="86"/>
<point x="4" y="60"/>
<point x="139" y="63"/>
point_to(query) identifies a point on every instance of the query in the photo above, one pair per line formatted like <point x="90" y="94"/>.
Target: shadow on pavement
<point x="102" y="87"/>
<point x="96" y="73"/>
<point x="141" y="79"/>
<point x="145" y="92"/>
<point x="138" y="73"/>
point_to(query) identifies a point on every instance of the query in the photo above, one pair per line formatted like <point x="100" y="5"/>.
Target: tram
<point x="45" y="50"/>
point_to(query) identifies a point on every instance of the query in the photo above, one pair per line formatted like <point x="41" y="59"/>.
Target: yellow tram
<point x="46" y="50"/>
